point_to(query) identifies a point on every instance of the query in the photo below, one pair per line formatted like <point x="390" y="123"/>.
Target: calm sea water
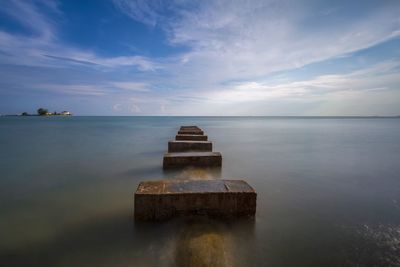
<point x="328" y="192"/>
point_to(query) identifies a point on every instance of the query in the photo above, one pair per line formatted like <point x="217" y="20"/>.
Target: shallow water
<point x="328" y="192"/>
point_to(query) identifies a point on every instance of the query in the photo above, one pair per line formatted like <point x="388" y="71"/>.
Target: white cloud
<point x="95" y="89"/>
<point x="132" y="86"/>
<point x="73" y="89"/>
<point x="367" y="91"/>
<point x="135" y="108"/>
<point x="373" y="78"/>
<point x="141" y="10"/>
<point x="30" y="15"/>
<point x="249" y="39"/>
<point x="44" y="48"/>
<point x="117" y="107"/>
<point x="32" y="51"/>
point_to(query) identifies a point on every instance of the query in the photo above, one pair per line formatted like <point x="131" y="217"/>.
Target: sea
<point x="328" y="192"/>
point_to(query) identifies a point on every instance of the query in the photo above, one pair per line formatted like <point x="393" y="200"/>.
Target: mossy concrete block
<point x="197" y="159"/>
<point x="193" y="137"/>
<point x="160" y="200"/>
<point x="189" y="146"/>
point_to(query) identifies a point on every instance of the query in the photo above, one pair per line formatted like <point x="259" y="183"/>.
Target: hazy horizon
<point x="267" y="116"/>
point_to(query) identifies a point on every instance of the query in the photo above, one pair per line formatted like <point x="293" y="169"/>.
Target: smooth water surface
<point x="328" y="192"/>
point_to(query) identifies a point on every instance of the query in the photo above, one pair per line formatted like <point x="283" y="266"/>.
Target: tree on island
<point x="24" y="114"/>
<point x="42" y="111"/>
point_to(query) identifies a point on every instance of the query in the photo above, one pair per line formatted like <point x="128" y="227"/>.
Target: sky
<point x="194" y="58"/>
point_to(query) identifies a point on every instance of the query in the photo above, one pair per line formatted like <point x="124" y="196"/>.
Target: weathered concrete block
<point x="191" y="131"/>
<point x="159" y="200"/>
<point x="188" y="146"/>
<point x="193" y="137"/>
<point x="189" y="128"/>
<point x="199" y="159"/>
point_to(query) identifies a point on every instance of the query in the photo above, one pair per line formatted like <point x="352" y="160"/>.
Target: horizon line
<point x="244" y="116"/>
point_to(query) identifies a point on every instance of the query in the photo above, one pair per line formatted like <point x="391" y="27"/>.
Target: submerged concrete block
<point x="198" y="159"/>
<point x="188" y="146"/>
<point x="159" y="200"/>
<point x="193" y="137"/>
<point x="191" y="131"/>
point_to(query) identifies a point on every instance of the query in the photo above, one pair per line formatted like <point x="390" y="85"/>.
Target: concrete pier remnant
<point x="192" y="127"/>
<point x="197" y="159"/>
<point x="189" y="146"/>
<point x="191" y="131"/>
<point x="193" y="137"/>
<point x="160" y="200"/>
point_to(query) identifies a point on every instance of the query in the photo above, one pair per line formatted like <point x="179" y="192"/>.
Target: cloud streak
<point x="132" y="86"/>
<point x="376" y="78"/>
<point x="30" y="16"/>
<point x="45" y="49"/>
<point x="249" y="39"/>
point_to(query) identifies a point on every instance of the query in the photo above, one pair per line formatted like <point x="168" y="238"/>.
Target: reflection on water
<point x="199" y="173"/>
<point x="328" y="192"/>
<point x="196" y="241"/>
<point x="204" y="243"/>
<point x="199" y="240"/>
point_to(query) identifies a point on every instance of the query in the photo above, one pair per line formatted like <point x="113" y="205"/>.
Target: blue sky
<point x="181" y="57"/>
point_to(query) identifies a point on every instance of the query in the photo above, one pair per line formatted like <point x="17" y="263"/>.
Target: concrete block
<point x="160" y="200"/>
<point x="189" y="128"/>
<point x="198" y="159"/>
<point x="189" y="146"/>
<point x="193" y="137"/>
<point x="191" y="131"/>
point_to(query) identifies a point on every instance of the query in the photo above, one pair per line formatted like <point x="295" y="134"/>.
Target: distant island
<point x="45" y="112"/>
